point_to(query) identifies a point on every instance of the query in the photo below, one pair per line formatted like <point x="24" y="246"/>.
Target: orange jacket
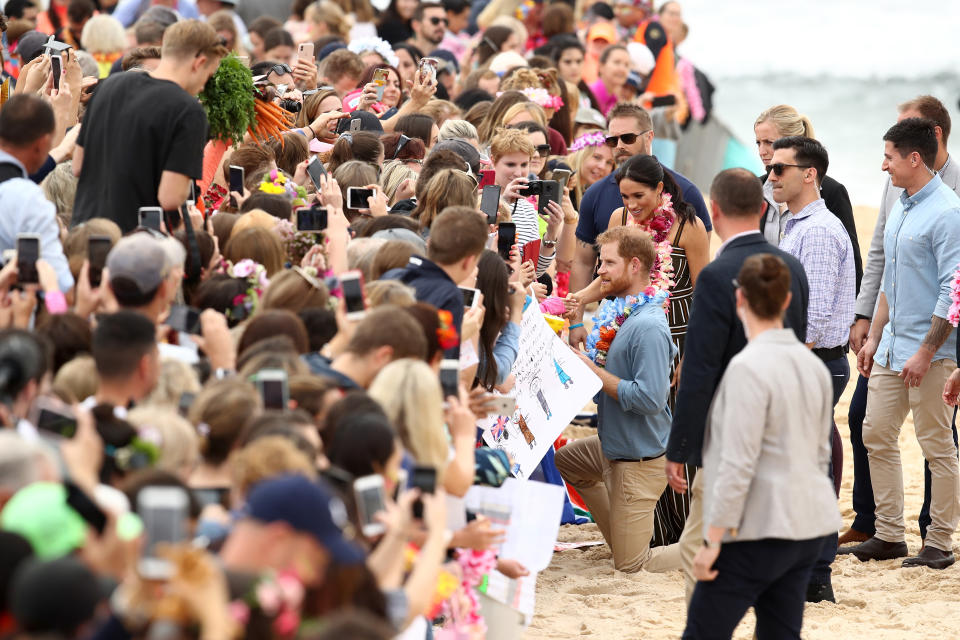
<point x="664" y="78"/>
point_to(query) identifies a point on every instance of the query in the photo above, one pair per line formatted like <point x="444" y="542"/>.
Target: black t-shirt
<point x="136" y="127"/>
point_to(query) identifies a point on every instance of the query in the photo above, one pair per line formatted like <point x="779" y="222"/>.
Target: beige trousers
<point x="888" y="402"/>
<point x="692" y="537"/>
<point x="621" y="497"/>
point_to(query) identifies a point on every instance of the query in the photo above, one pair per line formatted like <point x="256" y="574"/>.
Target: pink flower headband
<point x="541" y="97"/>
<point x="592" y="139"/>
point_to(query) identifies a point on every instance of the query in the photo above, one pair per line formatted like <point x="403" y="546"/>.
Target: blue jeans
<point x="840" y="375"/>
<point x="769" y="575"/>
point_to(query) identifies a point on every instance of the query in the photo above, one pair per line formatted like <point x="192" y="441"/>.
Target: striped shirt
<point x="528" y="229"/>
<point x="816" y="238"/>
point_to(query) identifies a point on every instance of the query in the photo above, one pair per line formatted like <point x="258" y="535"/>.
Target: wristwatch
<point x="711" y="545"/>
<point x="549" y="243"/>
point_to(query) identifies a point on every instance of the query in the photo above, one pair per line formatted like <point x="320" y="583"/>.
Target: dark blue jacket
<point x="435" y="287"/>
<point x="603" y="198"/>
<point x="715" y="335"/>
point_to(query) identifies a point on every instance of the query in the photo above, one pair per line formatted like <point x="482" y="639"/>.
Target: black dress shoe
<point x="820" y="592"/>
<point x="930" y="557"/>
<point x="877" y="549"/>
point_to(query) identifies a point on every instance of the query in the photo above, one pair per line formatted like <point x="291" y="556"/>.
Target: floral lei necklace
<point x="658" y="226"/>
<point x="611" y="316"/>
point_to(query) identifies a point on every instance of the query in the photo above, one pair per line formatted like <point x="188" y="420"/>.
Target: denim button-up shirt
<point x="921" y="245"/>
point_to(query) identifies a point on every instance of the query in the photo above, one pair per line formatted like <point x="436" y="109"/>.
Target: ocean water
<point x="846" y="64"/>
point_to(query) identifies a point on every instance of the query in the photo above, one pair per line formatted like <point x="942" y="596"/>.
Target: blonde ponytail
<point x="787" y="121"/>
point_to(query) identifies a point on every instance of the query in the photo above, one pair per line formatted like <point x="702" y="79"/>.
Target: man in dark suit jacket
<point x="715" y="334"/>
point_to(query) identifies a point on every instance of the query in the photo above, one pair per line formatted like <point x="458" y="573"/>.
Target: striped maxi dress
<point x="671" y="511"/>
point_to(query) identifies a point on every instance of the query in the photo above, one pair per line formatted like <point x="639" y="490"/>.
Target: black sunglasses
<point x="778" y="167"/>
<point x="435" y="21"/>
<point x="544" y="150"/>
<point x="280" y="69"/>
<point x="628" y="138"/>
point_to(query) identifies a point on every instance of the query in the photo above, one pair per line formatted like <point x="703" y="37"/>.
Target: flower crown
<point x="540" y="97"/>
<point x="377" y="45"/>
<point x="244" y="304"/>
<point x="592" y="139"/>
<point x="277" y="183"/>
<point x="296" y="243"/>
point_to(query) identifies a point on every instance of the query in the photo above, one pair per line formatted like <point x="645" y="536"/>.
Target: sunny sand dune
<point x="580" y="594"/>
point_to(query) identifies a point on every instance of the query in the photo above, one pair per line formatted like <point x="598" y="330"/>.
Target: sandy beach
<point x="580" y="594"/>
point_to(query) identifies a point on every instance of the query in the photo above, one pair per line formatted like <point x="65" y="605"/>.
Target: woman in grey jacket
<point x="768" y="501"/>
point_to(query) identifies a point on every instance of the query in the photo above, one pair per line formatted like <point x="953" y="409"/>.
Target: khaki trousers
<point x="692" y="537"/>
<point x="621" y="497"/>
<point x="888" y="402"/>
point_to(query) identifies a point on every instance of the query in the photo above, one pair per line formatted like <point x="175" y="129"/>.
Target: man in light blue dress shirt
<point x="26" y="131"/>
<point x="910" y="352"/>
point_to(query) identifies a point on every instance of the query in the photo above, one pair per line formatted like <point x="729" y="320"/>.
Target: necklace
<point x="610" y="317"/>
<point x="658" y="228"/>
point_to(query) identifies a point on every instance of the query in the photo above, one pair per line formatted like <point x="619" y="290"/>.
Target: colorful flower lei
<point x="610" y="317"/>
<point x="953" y="314"/>
<point x="658" y="226"/>
<point x="462" y="609"/>
<point x="244" y="304"/>
<point x="592" y="139"/>
<point x="277" y="596"/>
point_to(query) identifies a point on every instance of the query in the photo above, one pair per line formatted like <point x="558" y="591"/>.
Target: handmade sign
<point x="552" y="386"/>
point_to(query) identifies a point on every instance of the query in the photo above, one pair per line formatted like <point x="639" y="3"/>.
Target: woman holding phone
<point x="382" y="89"/>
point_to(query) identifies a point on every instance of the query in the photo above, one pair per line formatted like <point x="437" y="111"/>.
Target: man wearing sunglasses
<point x="817" y="238"/>
<point x="629" y="133"/>
<point x="429" y="25"/>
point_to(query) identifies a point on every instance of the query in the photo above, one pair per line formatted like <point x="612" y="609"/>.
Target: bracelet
<point x="576" y="326"/>
<point x="572" y="220"/>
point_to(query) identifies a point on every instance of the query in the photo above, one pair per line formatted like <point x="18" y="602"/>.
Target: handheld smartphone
<point x="502" y="405"/>
<point x="192" y="200"/>
<point x="425" y="479"/>
<point x="357" y="197"/>
<point x="490" y="202"/>
<point x="150" y="217"/>
<point x="184" y="319"/>
<point x="305" y="51"/>
<point x="550" y="192"/>
<point x="351" y="283"/>
<point x="51" y="415"/>
<point x="506" y="238"/>
<point x="562" y="176"/>
<point x="312" y="219"/>
<point x="380" y="79"/>
<point x="273" y="387"/>
<point x="664" y="101"/>
<point x="450" y="378"/>
<point x="28" y="252"/>
<point x="316" y="171"/>
<point x="355" y="124"/>
<point x="429" y="68"/>
<point x="237" y="178"/>
<point x="164" y="514"/>
<point x="56" y="69"/>
<point x="487" y="177"/>
<point x="471" y="297"/>
<point x="371" y="499"/>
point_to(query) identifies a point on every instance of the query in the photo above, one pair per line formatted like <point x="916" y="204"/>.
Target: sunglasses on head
<point x="543" y="150"/>
<point x="281" y="69"/>
<point x="401" y="143"/>
<point x="435" y="21"/>
<point x="628" y="138"/>
<point x="778" y="167"/>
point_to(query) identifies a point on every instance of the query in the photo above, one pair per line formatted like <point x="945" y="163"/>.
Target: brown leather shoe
<point x="854" y="536"/>
<point x="930" y="557"/>
<point x="877" y="549"/>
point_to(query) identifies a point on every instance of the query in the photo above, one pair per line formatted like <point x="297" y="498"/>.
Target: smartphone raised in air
<point x="471" y="297"/>
<point x="237" y="178"/>
<point x="490" y="202"/>
<point x="316" y="171"/>
<point x="351" y="284"/>
<point x="357" y="197"/>
<point x="425" y="479"/>
<point x="371" y="499"/>
<point x="164" y="511"/>
<point x="450" y="378"/>
<point x="506" y="238"/>
<point x="150" y="218"/>
<point x="273" y="387"/>
<point x="184" y="319"/>
<point x="312" y="219"/>
<point x="28" y="252"/>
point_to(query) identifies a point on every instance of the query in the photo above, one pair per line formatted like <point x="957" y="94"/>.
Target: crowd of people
<point x="243" y="374"/>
